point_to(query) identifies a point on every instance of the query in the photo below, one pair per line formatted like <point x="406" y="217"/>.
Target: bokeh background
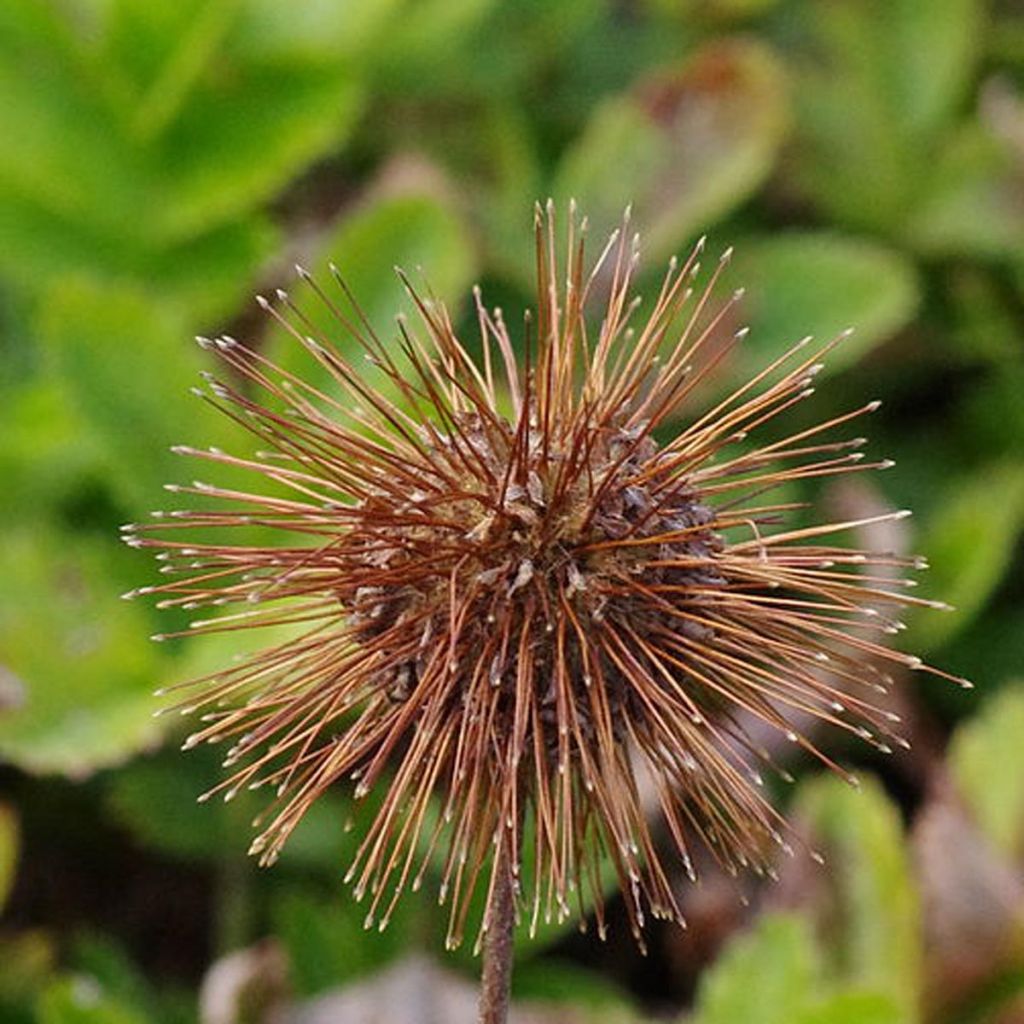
<point x="162" y="160"/>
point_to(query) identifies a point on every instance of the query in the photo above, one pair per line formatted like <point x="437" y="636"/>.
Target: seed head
<point x="517" y="597"/>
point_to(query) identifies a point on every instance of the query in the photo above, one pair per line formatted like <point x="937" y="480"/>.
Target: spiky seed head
<point x="514" y="603"/>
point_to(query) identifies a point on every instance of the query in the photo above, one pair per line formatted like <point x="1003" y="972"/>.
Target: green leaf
<point x="156" y="799"/>
<point x="27" y="959"/>
<point x="763" y="977"/>
<point x="968" y="540"/>
<point x="986" y="758"/>
<point x="48" y="459"/>
<point x="81" y="1000"/>
<point x="211" y="276"/>
<point x="51" y="108"/>
<point x="871" y="912"/>
<point x="856" y="1007"/>
<point x="8" y="851"/>
<point x="819" y="283"/>
<point x="315" y="30"/>
<point x="685" y="147"/>
<point x="423" y="37"/>
<point x="412" y="231"/>
<point x="82" y="654"/>
<point x="128" y="365"/>
<point x="325" y="939"/>
<point x="550" y="981"/>
<point x="970" y="204"/>
<point x="243" y="136"/>
<point x="879" y="82"/>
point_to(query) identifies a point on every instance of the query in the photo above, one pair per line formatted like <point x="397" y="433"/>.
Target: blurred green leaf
<point x="877" y="83"/>
<point x="48" y="458"/>
<point x="326" y="941"/>
<point x="8" y="851"/>
<point x="685" y="147"/>
<point x="413" y="232"/>
<point x="423" y="35"/>
<point x="871" y="913"/>
<point x="51" y="108"/>
<point x="242" y="137"/>
<point x="968" y="540"/>
<point x="971" y="203"/>
<point x="986" y="758"/>
<point x="553" y="981"/>
<point x="156" y="799"/>
<point x="128" y="365"/>
<point x="315" y="30"/>
<point x="856" y="1007"/>
<point x="763" y="977"/>
<point x="82" y="654"/>
<point x="211" y="276"/>
<point x="817" y="283"/>
<point x="81" y="1000"/>
<point x="27" y="960"/>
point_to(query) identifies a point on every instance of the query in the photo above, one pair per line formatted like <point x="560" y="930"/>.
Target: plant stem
<point x="499" y="947"/>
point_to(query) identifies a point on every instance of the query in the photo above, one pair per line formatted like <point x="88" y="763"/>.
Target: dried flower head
<point x="514" y="604"/>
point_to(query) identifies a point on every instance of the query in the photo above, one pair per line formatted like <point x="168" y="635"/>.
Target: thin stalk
<point x="499" y="948"/>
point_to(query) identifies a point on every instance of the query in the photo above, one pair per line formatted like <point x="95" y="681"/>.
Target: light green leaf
<point x="48" y="458"/>
<point x="8" y="851"/>
<point x="211" y="276"/>
<point x="413" y="232"/>
<point x="81" y="1000"/>
<point x="243" y="136"/>
<point x="52" y="111"/>
<point x="986" y="758"/>
<point x="929" y="51"/>
<point x="968" y="541"/>
<point x="856" y="1007"/>
<point x="763" y="977"/>
<point x="422" y="37"/>
<point x="314" y="30"/>
<point x="82" y="654"/>
<point x="685" y="147"/>
<point x="128" y="365"/>
<point x="872" y="911"/>
<point x="818" y="283"/>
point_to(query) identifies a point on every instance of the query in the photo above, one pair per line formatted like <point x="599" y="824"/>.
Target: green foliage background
<point x="161" y="160"/>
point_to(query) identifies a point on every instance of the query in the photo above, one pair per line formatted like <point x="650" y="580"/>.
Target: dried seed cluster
<point x="513" y="608"/>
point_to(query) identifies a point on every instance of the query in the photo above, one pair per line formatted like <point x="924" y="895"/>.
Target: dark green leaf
<point x="552" y="981"/>
<point x="327" y="943"/>
<point x="8" y="851"/>
<point x="243" y="136"/>
<point x="881" y="81"/>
